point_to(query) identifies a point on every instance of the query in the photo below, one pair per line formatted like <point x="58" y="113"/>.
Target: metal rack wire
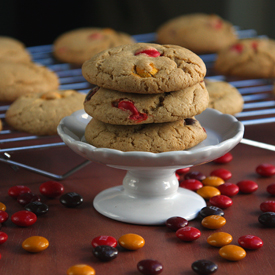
<point x="259" y="106"/>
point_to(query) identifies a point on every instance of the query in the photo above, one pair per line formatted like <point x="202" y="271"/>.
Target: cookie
<point x="13" y="50"/>
<point x="1" y="125"/>
<point x="121" y="108"/>
<point x="40" y="114"/>
<point x="156" y="138"/>
<point x="17" y="79"/>
<point x="145" y="68"/>
<point x="79" y="45"/>
<point x="198" y="32"/>
<point x="224" y="97"/>
<point x="248" y="58"/>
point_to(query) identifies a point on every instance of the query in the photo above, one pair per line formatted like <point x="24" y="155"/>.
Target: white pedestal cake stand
<point x="150" y="193"/>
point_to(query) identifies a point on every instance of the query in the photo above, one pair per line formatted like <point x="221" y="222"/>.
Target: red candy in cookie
<point x="149" y="52"/>
<point x="129" y="106"/>
<point x="95" y="36"/>
<point x="237" y="48"/>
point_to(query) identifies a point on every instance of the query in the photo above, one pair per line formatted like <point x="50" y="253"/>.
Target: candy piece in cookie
<point x="198" y="32"/>
<point x="145" y="68"/>
<point x="41" y="113"/>
<point x="121" y="108"/>
<point x="156" y="138"/>
<point x="79" y="45"/>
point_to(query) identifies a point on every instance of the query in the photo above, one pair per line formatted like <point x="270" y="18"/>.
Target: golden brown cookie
<point x="198" y="32"/>
<point x="249" y="58"/>
<point x="17" y="79"/>
<point x="121" y="108"/>
<point x="224" y="97"/>
<point x="77" y="46"/>
<point x="156" y="138"/>
<point x="41" y="113"/>
<point x="145" y="68"/>
<point x="13" y="50"/>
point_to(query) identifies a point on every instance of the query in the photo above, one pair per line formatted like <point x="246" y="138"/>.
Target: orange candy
<point x="213" y="222"/>
<point x="3" y="206"/>
<point x="146" y="73"/>
<point x="131" y="241"/>
<point x="81" y="269"/>
<point x="232" y="252"/>
<point x="208" y="192"/>
<point x="213" y="181"/>
<point x="219" y="239"/>
<point x="35" y="244"/>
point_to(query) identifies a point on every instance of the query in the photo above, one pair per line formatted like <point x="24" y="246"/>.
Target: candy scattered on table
<point x="51" y="189"/>
<point x="224" y="159"/>
<point x="250" y="242"/>
<point x="149" y="267"/>
<point x="24" y="218"/>
<point x="213" y="222"/>
<point x="105" y="253"/>
<point x="232" y="252"/>
<point x="104" y="240"/>
<point x="71" y="199"/>
<point x="265" y="170"/>
<point x="15" y="191"/>
<point x="247" y="186"/>
<point x="195" y="175"/>
<point x="271" y="189"/>
<point x="221" y="173"/>
<point x="26" y="198"/>
<point x="183" y="170"/>
<point x="3" y="216"/>
<point x="208" y="192"/>
<point x="35" y="244"/>
<point x="219" y="239"/>
<point x="3" y="206"/>
<point x="3" y="237"/>
<point x="131" y="241"/>
<point x="204" y="267"/>
<point x="81" y="269"/>
<point x="210" y="210"/>
<point x="267" y="206"/>
<point x="229" y="189"/>
<point x="213" y="181"/>
<point x="191" y="184"/>
<point x="188" y="233"/>
<point x="267" y="219"/>
<point x="175" y="223"/>
<point x="37" y="207"/>
<point x="221" y="201"/>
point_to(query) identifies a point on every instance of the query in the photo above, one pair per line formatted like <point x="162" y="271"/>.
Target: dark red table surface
<point x="70" y="231"/>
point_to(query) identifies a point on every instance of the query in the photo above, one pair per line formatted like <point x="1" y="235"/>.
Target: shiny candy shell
<point x="37" y="207"/>
<point x="149" y="267"/>
<point x="221" y="173"/>
<point x="188" y="234"/>
<point x="213" y="181"/>
<point x="250" y="242"/>
<point x="131" y="241"/>
<point x="104" y="240"/>
<point x="71" y="199"/>
<point x="268" y="206"/>
<point x="14" y="191"/>
<point x="191" y="184"/>
<point x="105" y="253"/>
<point x="24" y="218"/>
<point x="210" y="210"/>
<point x="267" y="219"/>
<point x="221" y="201"/>
<point x="208" y="192"/>
<point x="213" y="222"/>
<point x="175" y="223"/>
<point x="204" y="267"/>
<point x="3" y="216"/>
<point x="247" y="186"/>
<point x="271" y="189"/>
<point x="224" y="159"/>
<point x="26" y="198"/>
<point x="3" y="237"/>
<point x="35" y="244"/>
<point x="81" y="269"/>
<point x="3" y="206"/>
<point x="232" y="252"/>
<point x="195" y="175"/>
<point x="229" y="189"/>
<point x="219" y="239"/>
<point x="265" y="170"/>
<point x="51" y="189"/>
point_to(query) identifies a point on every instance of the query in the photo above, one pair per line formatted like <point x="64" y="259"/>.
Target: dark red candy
<point x="135" y="114"/>
<point x="271" y="189"/>
<point x="24" y="218"/>
<point x="221" y="173"/>
<point x="265" y="170"/>
<point x="268" y="206"/>
<point x="26" y="198"/>
<point x="267" y="219"/>
<point x="224" y="159"/>
<point x="14" y="191"/>
<point x="3" y="216"/>
<point x="149" y="52"/>
<point x="237" y="48"/>
<point x="149" y="267"/>
<point x="210" y="210"/>
<point x="247" y="186"/>
<point x="188" y="233"/>
<point x="104" y="240"/>
<point x="51" y="189"/>
<point x="105" y="253"/>
<point x="229" y="189"/>
<point x="175" y="223"/>
<point x="71" y="199"/>
<point x="195" y="175"/>
<point x="250" y="242"/>
<point x="37" y="207"/>
<point x="191" y="184"/>
<point x="221" y="201"/>
<point x="183" y="170"/>
<point x="204" y="267"/>
<point x="3" y="237"/>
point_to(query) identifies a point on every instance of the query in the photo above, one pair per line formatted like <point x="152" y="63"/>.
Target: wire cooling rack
<point x="259" y="103"/>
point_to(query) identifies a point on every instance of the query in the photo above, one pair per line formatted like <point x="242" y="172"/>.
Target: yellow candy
<point x="213" y="222"/>
<point x="232" y="252"/>
<point x="131" y="241"/>
<point x="81" y="269"/>
<point x="3" y="206"/>
<point x="145" y="73"/>
<point x="219" y="239"/>
<point x="35" y="244"/>
<point x="207" y="192"/>
<point x="213" y="181"/>
<point x="50" y="95"/>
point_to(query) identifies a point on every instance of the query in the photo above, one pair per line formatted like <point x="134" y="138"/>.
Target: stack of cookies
<point x="146" y="98"/>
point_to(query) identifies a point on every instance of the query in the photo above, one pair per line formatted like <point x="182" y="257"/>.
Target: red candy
<point x="95" y="36"/>
<point x="188" y="233"/>
<point x="221" y="173"/>
<point x="149" y="52"/>
<point x="191" y="184"/>
<point x="26" y="198"/>
<point x="224" y="159"/>
<point x="247" y="186"/>
<point x="271" y="189"/>
<point x="129" y="106"/>
<point x="51" y="189"/>
<point x="221" y="201"/>
<point x="3" y="216"/>
<point x="250" y="242"/>
<point x="15" y="191"/>
<point x="24" y="218"/>
<point x="175" y="223"/>
<point x="265" y="170"/>
<point x="104" y="240"/>
<point x="149" y="267"/>
<point x="3" y="237"/>
<point x="237" y="48"/>
<point x="228" y="189"/>
<point x="268" y="206"/>
<point x="183" y="170"/>
<point x="254" y="45"/>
